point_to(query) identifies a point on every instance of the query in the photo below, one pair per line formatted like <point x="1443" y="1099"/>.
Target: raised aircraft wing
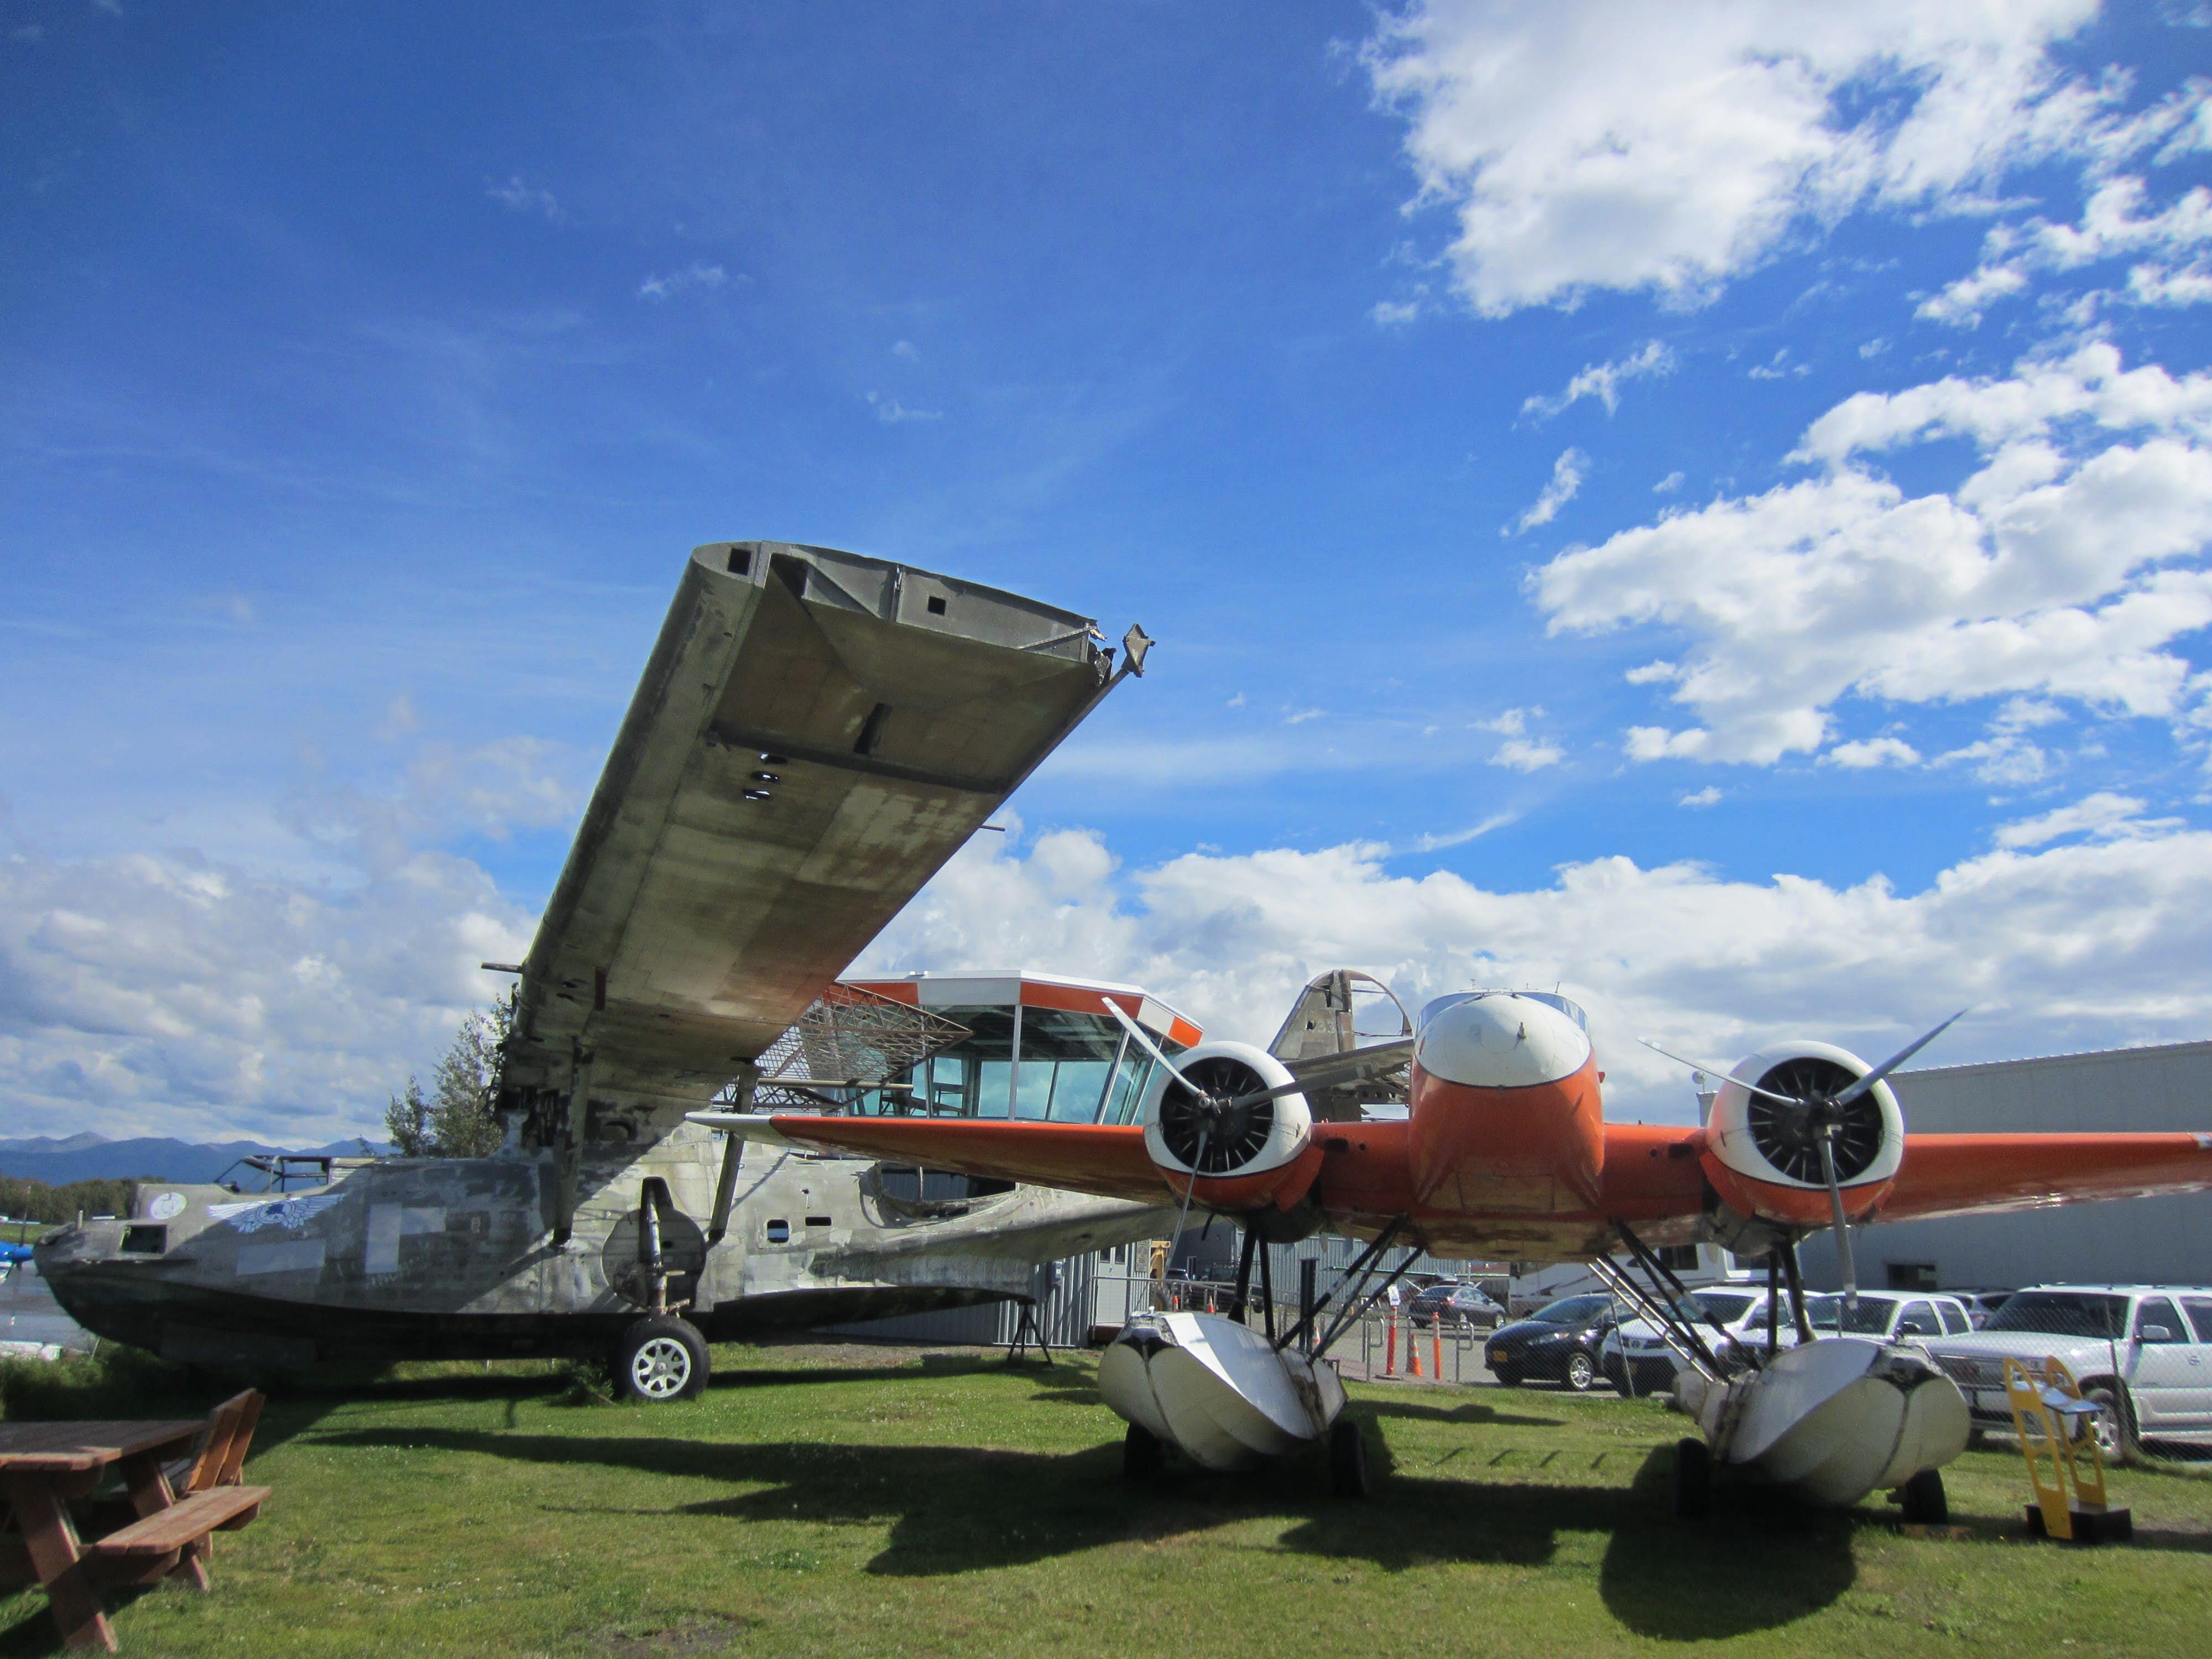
<point x="815" y="734"/>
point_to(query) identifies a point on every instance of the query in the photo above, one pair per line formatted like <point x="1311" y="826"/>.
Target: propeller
<point x="1818" y="1117"/>
<point x="1213" y="1116"/>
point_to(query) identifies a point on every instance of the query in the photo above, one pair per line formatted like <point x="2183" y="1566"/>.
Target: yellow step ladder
<point x="2058" y="1439"/>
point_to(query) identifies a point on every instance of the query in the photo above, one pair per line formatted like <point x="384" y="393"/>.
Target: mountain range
<point x="91" y="1157"/>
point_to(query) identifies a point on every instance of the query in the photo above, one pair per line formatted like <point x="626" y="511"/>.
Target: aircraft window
<point x="1066" y="1060"/>
<point x="972" y="1078"/>
<point x="817" y="1221"/>
<point x="2062" y="1313"/>
<point x="145" y="1240"/>
<point x="2157" y="1311"/>
<point x="1566" y="1006"/>
<point x="1125" y="1099"/>
<point x="779" y="1232"/>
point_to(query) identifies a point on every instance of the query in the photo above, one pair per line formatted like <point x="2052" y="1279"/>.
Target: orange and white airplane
<point x="1504" y="1152"/>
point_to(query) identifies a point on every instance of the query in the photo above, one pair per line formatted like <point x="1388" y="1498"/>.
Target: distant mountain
<point x="91" y="1158"/>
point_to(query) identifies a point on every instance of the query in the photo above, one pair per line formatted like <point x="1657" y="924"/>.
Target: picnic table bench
<point x="43" y="1466"/>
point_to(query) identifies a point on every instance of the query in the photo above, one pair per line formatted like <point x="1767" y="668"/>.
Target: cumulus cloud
<point x="1566" y="479"/>
<point x="1708" y="796"/>
<point x="170" y="995"/>
<point x="1616" y="144"/>
<point x="2113" y="223"/>
<point x="1873" y="752"/>
<point x="2065" y="566"/>
<point x="2089" y="944"/>
<point x="1603" y="382"/>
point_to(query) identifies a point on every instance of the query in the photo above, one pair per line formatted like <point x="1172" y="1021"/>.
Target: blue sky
<point x="366" y="374"/>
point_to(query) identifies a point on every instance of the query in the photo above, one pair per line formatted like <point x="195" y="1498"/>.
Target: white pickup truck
<point x="2144" y="1352"/>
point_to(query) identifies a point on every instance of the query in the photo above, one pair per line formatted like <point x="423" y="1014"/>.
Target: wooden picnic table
<point x="42" y="1466"/>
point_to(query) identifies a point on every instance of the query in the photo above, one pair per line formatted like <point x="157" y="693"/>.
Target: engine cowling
<point x="1763" y="1157"/>
<point x="1241" y="1159"/>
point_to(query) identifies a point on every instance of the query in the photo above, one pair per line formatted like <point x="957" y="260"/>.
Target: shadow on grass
<point x="1473" y="1411"/>
<point x="960" y="1509"/>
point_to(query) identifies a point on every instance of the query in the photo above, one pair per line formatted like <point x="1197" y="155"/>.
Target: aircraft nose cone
<point x="1500" y="1042"/>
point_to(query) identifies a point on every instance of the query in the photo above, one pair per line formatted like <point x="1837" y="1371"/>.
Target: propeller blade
<point x="1843" y="1230"/>
<point x="1145" y="1042"/>
<point x="1895" y="1061"/>
<point x="1720" y="1072"/>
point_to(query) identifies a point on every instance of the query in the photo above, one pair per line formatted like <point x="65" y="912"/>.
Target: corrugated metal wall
<point x="2124" y="1241"/>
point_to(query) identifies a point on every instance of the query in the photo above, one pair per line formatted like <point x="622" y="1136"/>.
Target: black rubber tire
<point x="2115" y="1424"/>
<point x="1925" y="1504"/>
<point x="1692" y="1490"/>
<point x="660" y="1359"/>
<point x="1581" y="1375"/>
<point x="1142" y="1456"/>
<point x="1348" y="1460"/>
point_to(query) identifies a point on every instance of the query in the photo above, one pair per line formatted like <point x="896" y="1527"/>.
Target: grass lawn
<point x="857" y="1502"/>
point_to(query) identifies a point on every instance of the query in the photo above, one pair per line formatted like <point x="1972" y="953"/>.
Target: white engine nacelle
<point x="1764" y="1157"/>
<point x="1185" y="1137"/>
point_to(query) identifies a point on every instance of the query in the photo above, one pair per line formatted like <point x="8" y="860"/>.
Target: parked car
<point x="1455" y="1304"/>
<point x="1980" y="1304"/>
<point x="2142" y="1351"/>
<point x="1557" y="1343"/>
<point x="1639" y="1360"/>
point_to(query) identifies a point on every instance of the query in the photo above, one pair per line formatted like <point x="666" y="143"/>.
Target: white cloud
<point x="1873" y="348"/>
<point x="696" y="274"/>
<point x="169" y="995"/>
<point x="1457" y="837"/>
<point x="892" y="411"/>
<point x="1566" y="479"/>
<point x="1653" y="673"/>
<point x="1668" y="485"/>
<point x="1393" y="313"/>
<point x="2103" y="816"/>
<point x="1778" y="366"/>
<point x="905" y="348"/>
<point x="2065" y="567"/>
<point x="1708" y="796"/>
<point x="1617" y="144"/>
<point x="1873" y="752"/>
<point x="1524" y="756"/>
<point x="2112" y="224"/>
<point x="1603" y="381"/>
<point x="1513" y="723"/>
<point x="1300" y="716"/>
<point x="2084" y="945"/>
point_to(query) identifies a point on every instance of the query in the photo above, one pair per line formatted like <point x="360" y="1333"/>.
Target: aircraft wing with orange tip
<point x="1959" y="1175"/>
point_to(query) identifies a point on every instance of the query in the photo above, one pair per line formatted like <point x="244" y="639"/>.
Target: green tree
<point x="465" y="1086"/>
<point x="407" y="1122"/>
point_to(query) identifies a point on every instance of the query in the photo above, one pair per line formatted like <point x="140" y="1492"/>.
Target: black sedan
<point x="1557" y="1343"/>
<point x="1455" y="1304"/>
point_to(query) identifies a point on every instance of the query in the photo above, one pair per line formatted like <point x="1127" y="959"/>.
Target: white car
<point x="2143" y="1350"/>
<point x="1891" y="1315"/>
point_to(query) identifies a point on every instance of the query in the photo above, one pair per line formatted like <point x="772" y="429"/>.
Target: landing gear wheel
<point x="659" y="1359"/>
<point x="1693" y="1480"/>
<point x="2114" y="1429"/>
<point x="1142" y="1456"/>
<point x="1582" y="1375"/>
<point x="1924" y="1503"/>
<point x="1348" y="1460"/>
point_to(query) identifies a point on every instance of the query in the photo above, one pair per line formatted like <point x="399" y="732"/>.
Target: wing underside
<point x="815" y="734"/>
<point x="1962" y="1174"/>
